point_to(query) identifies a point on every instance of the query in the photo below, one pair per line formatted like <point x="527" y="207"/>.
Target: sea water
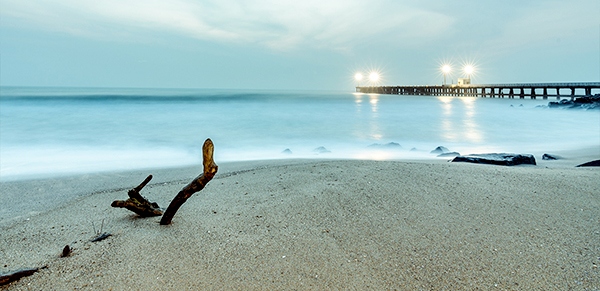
<point x="56" y="131"/>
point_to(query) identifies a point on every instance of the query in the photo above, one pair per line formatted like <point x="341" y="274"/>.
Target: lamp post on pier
<point x="358" y="77"/>
<point x="469" y="70"/>
<point x="445" y="70"/>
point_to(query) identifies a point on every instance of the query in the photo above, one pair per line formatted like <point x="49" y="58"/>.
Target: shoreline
<point x="302" y="224"/>
<point x="51" y="192"/>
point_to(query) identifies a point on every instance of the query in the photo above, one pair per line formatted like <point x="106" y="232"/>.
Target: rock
<point x="595" y="163"/>
<point x="321" y="150"/>
<point x="413" y="149"/>
<point x="587" y="102"/>
<point x="502" y="159"/>
<point x="550" y="157"/>
<point x="387" y="145"/>
<point x="448" y="154"/>
<point x="440" y="150"/>
<point x="287" y="152"/>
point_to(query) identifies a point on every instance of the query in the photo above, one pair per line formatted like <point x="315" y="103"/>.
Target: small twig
<point x="100" y="237"/>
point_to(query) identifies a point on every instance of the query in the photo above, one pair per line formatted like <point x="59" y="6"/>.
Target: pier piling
<point x="490" y="90"/>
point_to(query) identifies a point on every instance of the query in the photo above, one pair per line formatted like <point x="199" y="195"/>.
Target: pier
<point x="533" y="91"/>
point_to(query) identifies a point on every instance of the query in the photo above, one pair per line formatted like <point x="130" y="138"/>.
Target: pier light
<point x="446" y="70"/>
<point x="469" y="70"/>
<point x="358" y="77"/>
<point x="374" y="77"/>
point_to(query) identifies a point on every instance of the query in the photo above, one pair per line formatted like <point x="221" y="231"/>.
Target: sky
<point x="295" y="45"/>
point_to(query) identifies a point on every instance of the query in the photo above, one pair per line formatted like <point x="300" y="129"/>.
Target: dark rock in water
<point x="321" y="150"/>
<point x="413" y="149"/>
<point x="287" y="152"/>
<point x="550" y="157"/>
<point x="387" y="145"/>
<point x="595" y="163"/>
<point x="587" y="102"/>
<point x="448" y="154"/>
<point x="440" y="150"/>
<point x="502" y="159"/>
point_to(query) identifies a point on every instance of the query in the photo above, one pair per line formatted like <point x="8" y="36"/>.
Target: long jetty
<point x="533" y="91"/>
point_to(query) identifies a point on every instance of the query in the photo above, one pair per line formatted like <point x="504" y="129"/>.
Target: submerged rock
<point x="595" y="163"/>
<point x="448" y="154"/>
<point x="321" y="150"/>
<point x="550" y="157"/>
<point x="502" y="159"/>
<point x="287" y="152"/>
<point x="440" y="150"/>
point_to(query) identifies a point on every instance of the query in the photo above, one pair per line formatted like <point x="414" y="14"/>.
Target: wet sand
<point x="315" y="224"/>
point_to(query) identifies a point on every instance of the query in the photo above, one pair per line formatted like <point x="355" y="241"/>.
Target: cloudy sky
<point x="281" y="44"/>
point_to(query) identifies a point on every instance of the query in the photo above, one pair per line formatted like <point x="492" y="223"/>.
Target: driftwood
<point x="16" y="275"/>
<point x="139" y="204"/>
<point x="210" y="169"/>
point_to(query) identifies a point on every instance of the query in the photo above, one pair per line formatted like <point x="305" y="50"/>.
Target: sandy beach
<point x="315" y="225"/>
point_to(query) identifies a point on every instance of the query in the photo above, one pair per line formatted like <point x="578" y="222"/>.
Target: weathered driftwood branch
<point x="16" y="275"/>
<point x="139" y="204"/>
<point x="210" y="169"/>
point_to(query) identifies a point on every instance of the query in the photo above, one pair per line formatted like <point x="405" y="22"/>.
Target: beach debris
<point x="16" y="275"/>
<point x="137" y="203"/>
<point x="287" y="152"/>
<point x="209" y="171"/>
<point x="440" y="150"/>
<point x="101" y="237"/>
<point x="502" y="159"/>
<point x="66" y="251"/>
<point x="99" y="234"/>
<point x="595" y="163"/>
<point x="550" y="157"/>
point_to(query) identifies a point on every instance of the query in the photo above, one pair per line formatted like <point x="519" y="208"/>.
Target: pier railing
<point x="529" y="90"/>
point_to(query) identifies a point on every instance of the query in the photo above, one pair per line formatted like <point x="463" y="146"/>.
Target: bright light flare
<point x="469" y="69"/>
<point x="446" y="69"/>
<point x="374" y="77"/>
<point x="358" y="77"/>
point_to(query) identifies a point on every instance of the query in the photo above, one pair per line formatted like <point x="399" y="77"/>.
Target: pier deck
<point x="532" y="90"/>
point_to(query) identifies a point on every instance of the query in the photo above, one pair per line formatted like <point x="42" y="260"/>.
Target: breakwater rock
<point x="502" y="159"/>
<point x="440" y="150"/>
<point x="390" y="145"/>
<point x="587" y="102"/>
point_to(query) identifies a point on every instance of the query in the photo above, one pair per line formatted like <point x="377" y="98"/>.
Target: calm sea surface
<point x="50" y="131"/>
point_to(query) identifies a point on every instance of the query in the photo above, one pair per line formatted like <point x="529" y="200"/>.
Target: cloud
<point x="547" y="23"/>
<point x="279" y="25"/>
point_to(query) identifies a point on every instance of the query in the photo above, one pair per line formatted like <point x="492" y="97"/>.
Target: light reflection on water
<point x="459" y="115"/>
<point x="109" y="128"/>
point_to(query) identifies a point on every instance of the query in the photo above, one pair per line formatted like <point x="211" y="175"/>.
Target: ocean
<point x="61" y="131"/>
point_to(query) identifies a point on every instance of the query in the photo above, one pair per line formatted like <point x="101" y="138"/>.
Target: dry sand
<point x="322" y="225"/>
